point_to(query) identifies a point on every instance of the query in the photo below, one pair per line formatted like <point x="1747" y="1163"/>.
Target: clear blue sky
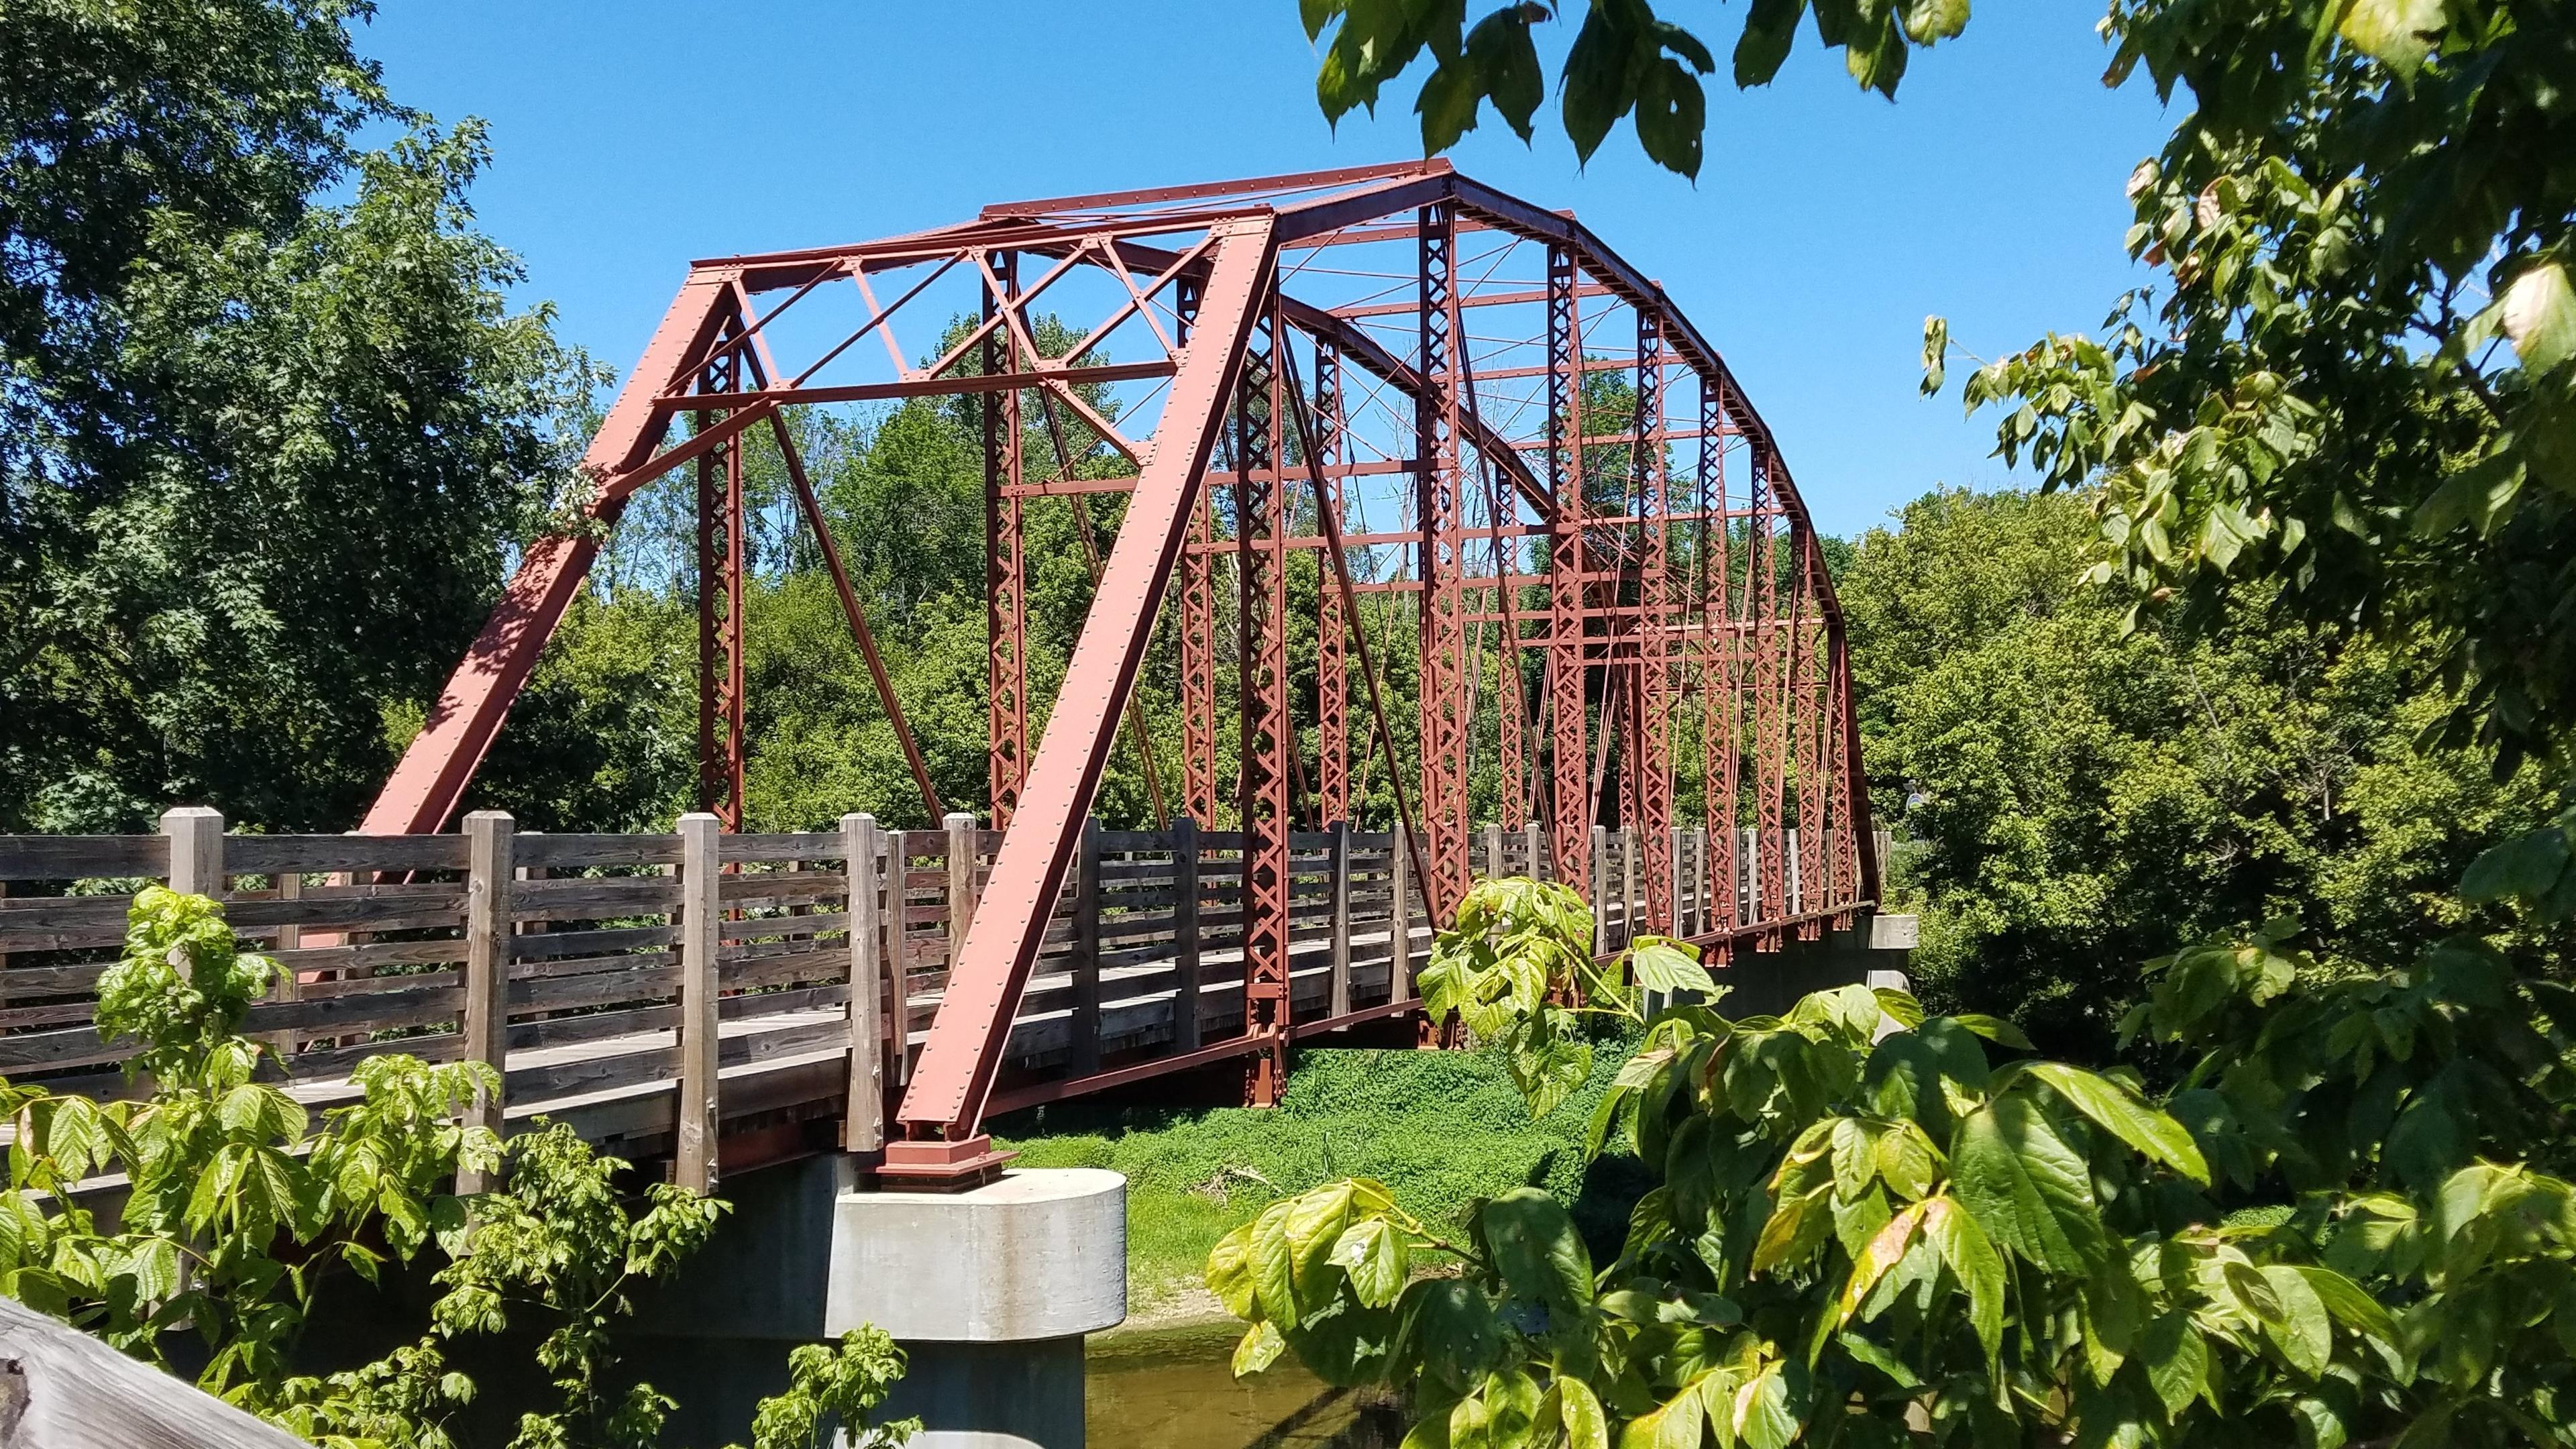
<point x="1825" y="224"/>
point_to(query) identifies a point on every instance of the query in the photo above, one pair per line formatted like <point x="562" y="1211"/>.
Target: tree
<point x="2076" y="796"/>
<point x="2352" y="390"/>
<point x="2344" y="1224"/>
<point x="264" y="449"/>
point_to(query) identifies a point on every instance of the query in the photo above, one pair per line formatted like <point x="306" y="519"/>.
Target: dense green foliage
<point x="1440" y="1129"/>
<point x="2343" y="1225"/>
<point x="2076" y="796"/>
<point x="239" y="1207"/>
<point x="238" y="1202"/>
<point x="260" y="455"/>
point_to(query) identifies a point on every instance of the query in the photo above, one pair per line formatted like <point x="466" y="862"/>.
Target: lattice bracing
<point x="1491" y="435"/>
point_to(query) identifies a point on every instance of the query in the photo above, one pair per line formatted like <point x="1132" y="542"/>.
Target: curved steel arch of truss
<point x="1619" y="565"/>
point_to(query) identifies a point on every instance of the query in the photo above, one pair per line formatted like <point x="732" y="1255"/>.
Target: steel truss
<point x="1394" y="371"/>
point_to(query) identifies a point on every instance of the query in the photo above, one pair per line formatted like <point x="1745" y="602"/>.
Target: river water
<point x="1172" y="1389"/>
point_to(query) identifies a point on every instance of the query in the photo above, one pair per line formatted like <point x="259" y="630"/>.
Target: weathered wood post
<point x="961" y="880"/>
<point x="1083" y="1049"/>
<point x="1600" y="890"/>
<point x="863" y="1115"/>
<point x="1679" y="865"/>
<point x="196" y="836"/>
<point x="1338" y="888"/>
<point x="1536" y="850"/>
<point x="900" y="847"/>
<point x="1494" y="851"/>
<point x="489" y="881"/>
<point x="289" y="985"/>
<point x="701" y="927"/>
<point x="1627" y="884"/>
<point x="1185" y="934"/>
<point x="1399" y="938"/>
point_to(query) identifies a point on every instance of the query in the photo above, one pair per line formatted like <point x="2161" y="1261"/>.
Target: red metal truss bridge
<point x="1448" y="394"/>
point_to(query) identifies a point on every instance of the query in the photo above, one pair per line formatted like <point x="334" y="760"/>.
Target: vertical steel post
<point x="721" y="548"/>
<point x="1261" y="524"/>
<point x="1770" y="686"/>
<point x="1005" y="562"/>
<point x="1332" y="673"/>
<point x="1653" y="755"/>
<point x="1570" y="791"/>
<point x="1720" y="747"/>
<point x="1444" y="720"/>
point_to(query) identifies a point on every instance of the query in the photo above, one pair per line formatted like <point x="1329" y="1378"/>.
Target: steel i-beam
<point x="944" y="1104"/>
<point x="1269" y="736"/>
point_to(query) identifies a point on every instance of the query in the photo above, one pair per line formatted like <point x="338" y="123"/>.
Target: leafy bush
<point x="237" y="1206"/>
<point x="2339" y="1226"/>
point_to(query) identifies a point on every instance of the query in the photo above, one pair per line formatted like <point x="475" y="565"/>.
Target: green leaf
<point x="1900" y="1006"/>
<point x="2177" y="1360"/>
<point x="1929" y="20"/>
<point x="1672" y="114"/>
<point x="2126" y="1116"/>
<point x="1595" y="90"/>
<point x="1994" y="1029"/>
<point x="1872" y="1262"/>
<point x="1770" y="28"/>
<point x="1668" y="966"/>
<point x="2349" y="1305"/>
<point x="1579" y="1412"/>
<point x="1274" y="1265"/>
<point x="1260" y="1347"/>
<point x="1541" y="1257"/>
<point x="1455" y="1327"/>
<point x="2396" y="33"/>
<point x="1229" y="1272"/>
<point x="2304" y="1335"/>
<point x="1971" y="1255"/>
<point x="2025" y="1185"/>
<point x="2539" y="307"/>
<point x="1506" y="61"/>
<point x="1372" y="1252"/>
<point x="1677" y="1423"/>
<point x="1761" y="1412"/>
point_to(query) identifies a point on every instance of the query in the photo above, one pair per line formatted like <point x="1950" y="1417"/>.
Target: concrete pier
<point x="990" y="1292"/>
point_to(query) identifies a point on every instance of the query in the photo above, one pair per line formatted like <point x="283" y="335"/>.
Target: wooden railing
<point x="667" y="992"/>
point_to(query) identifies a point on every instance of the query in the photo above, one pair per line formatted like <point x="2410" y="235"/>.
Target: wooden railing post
<point x="863" y="1115"/>
<point x="900" y="846"/>
<point x="1338" y="887"/>
<point x="1600" y="890"/>
<point x="1399" y="939"/>
<point x="196" y="850"/>
<point x="1627" y="884"/>
<point x="489" y="879"/>
<point x="1493" y="851"/>
<point x="1185" y="934"/>
<point x="1083" y="1048"/>
<point x="961" y="880"/>
<point x="1536" y="850"/>
<point x="701" y="927"/>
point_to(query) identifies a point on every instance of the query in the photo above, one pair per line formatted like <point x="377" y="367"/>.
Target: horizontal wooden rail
<point x="654" y="988"/>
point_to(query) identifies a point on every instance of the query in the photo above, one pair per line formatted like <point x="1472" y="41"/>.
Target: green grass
<point x="1439" y="1128"/>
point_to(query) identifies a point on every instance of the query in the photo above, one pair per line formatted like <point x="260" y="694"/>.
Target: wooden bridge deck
<point x="565" y="960"/>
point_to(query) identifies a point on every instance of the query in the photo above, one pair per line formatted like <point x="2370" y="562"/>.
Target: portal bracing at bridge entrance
<point x="1560" y="571"/>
